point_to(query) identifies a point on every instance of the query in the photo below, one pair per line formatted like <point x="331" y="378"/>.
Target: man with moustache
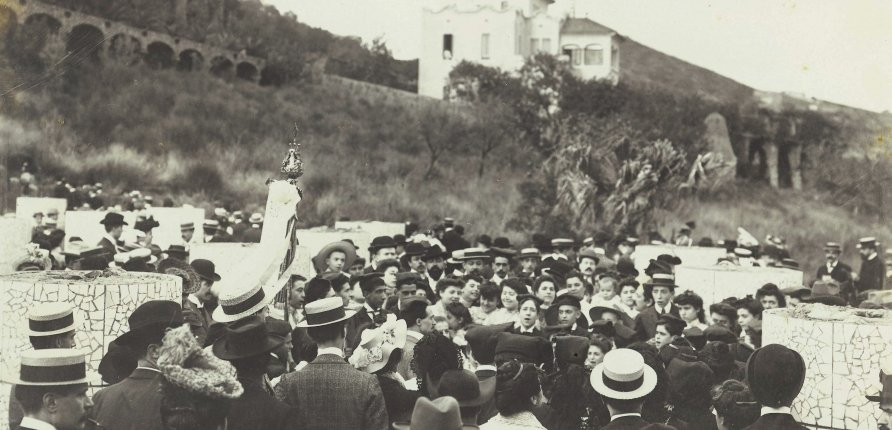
<point x="873" y="273"/>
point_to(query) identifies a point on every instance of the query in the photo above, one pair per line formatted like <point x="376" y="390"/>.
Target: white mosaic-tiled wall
<point x="841" y="359"/>
<point x="718" y="282"/>
<point x="103" y="304"/>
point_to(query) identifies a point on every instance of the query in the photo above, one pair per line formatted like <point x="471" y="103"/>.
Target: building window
<point x="447" y="46"/>
<point x="534" y="46"/>
<point x="574" y="53"/>
<point x="594" y="55"/>
<point x="546" y="45"/>
<point x="614" y="57"/>
<point x="484" y="46"/>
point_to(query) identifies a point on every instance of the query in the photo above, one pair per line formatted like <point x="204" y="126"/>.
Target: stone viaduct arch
<point x="63" y="34"/>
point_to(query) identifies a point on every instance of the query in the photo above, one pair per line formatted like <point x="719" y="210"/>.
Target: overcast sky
<point x="839" y="50"/>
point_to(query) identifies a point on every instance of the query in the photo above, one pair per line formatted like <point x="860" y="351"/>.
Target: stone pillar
<point x="794" y="156"/>
<point x="771" y="156"/>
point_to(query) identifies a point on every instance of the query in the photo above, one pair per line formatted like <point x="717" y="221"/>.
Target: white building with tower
<point x="503" y="34"/>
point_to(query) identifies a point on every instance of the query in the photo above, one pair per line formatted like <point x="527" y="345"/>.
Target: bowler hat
<point x="178" y="250"/>
<point x="399" y="239"/>
<point x="501" y="246"/>
<point x="247" y="337"/>
<point x="381" y="242"/>
<point x="412" y="249"/>
<point x="626" y="267"/>
<point x="670" y="259"/>
<point x="151" y="317"/>
<point x="775" y="375"/>
<point x="205" y="269"/>
<point x="113" y="219"/>
<point x="588" y="253"/>
<point x="464" y="386"/>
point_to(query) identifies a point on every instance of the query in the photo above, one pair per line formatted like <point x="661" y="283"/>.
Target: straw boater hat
<point x="187" y="226"/>
<point x="623" y="376"/>
<point x="472" y="254"/>
<point x="50" y="367"/>
<point x="376" y="346"/>
<point x="48" y="319"/>
<point x="867" y="242"/>
<point x="662" y="280"/>
<point x="530" y="253"/>
<point x="324" y="312"/>
<point x="340" y="246"/>
<point x="562" y="242"/>
<point x="833" y="246"/>
<point x="241" y="301"/>
<point x="255" y="218"/>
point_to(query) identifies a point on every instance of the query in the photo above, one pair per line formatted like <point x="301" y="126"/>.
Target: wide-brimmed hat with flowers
<point x="186" y="365"/>
<point x="376" y="345"/>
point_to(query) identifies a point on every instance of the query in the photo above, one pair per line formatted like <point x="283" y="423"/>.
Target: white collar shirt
<point x="36" y="424"/>
<point x="332" y="351"/>
<point x="631" y="414"/>
<point x="769" y="410"/>
<point x="194" y="299"/>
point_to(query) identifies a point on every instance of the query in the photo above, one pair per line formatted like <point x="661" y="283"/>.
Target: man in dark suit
<point x="329" y="394"/>
<point x="775" y="375"/>
<point x="873" y="272"/>
<point x="623" y="380"/>
<point x="372" y="314"/>
<point x="114" y="227"/>
<point x="135" y="402"/>
<point x="833" y="268"/>
<point x="661" y="289"/>
<point x="247" y="345"/>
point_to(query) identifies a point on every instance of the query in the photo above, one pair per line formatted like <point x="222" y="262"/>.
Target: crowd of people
<point x="435" y="332"/>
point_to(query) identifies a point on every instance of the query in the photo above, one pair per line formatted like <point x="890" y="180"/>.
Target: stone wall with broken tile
<point x="841" y="350"/>
<point x="103" y="304"/>
<point x="715" y="283"/>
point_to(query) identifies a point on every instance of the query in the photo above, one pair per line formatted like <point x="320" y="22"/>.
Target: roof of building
<point x="584" y="26"/>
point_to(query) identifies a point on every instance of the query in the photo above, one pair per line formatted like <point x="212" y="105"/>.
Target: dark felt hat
<point x="150" y="318"/>
<point x="626" y="267"/>
<point x="670" y="259"/>
<point x="673" y="321"/>
<point x="407" y="278"/>
<point x="247" y="337"/>
<point x="501" y="247"/>
<point x="696" y="336"/>
<point x="464" y="386"/>
<point x="434" y="251"/>
<point x="570" y="350"/>
<point x="113" y="219"/>
<point x="662" y="280"/>
<point x="205" y="269"/>
<point x="381" y="242"/>
<point x="178" y="250"/>
<point x="399" y="239"/>
<point x="656" y="266"/>
<point x="526" y="349"/>
<point x="482" y="340"/>
<point x="603" y="327"/>
<point x="596" y="312"/>
<point x="412" y="249"/>
<point x="775" y="375"/>
<point x="715" y="333"/>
